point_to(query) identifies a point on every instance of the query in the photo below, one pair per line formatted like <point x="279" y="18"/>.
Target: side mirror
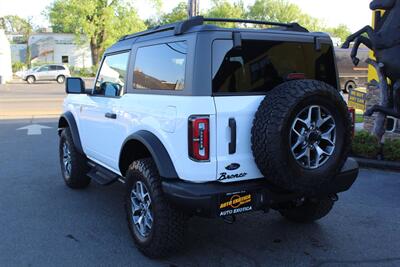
<point x="75" y="86"/>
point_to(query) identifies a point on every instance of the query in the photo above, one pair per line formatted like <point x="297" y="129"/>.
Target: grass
<point x="359" y="116"/>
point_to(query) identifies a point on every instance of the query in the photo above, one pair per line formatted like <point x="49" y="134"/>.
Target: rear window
<point x="259" y="66"/>
<point x="161" y="67"/>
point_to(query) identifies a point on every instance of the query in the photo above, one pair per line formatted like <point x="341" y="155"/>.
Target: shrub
<point x="391" y="149"/>
<point x="365" y="145"/>
<point x="82" y="72"/>
<point x="17" y="66"/>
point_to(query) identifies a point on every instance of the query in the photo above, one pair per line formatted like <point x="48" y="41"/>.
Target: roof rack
<point x="184" y="26"/>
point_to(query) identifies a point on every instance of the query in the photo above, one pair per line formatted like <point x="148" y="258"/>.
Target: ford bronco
<point x="203" y="120"/>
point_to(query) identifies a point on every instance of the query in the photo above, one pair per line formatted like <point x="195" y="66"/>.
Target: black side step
<point x="102" y="175"/>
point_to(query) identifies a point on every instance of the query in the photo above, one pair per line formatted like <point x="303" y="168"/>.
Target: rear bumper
<point x="211" y="199"/>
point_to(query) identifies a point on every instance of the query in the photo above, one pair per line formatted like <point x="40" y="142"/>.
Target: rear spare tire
<point x="301" y="135"/>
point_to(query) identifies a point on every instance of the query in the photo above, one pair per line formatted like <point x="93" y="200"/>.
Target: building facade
<point x="59" y="48"/>
<point x="5" y="58"/>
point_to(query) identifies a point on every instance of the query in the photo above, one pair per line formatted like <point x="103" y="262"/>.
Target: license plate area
<point x="235" y="203"/>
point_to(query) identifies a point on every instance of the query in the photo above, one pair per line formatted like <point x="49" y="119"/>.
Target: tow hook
<point x="229" y="219"/>
<point x="334" y="197"/>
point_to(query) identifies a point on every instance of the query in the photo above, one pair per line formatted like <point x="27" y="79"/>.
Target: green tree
<point x="180" y="12"/>
<point x="282" y="11"/>
<point x="17" y="25"/>
<point x="102" y="22"/>
<point x="342" y="31"/>
<point x="226" y="9"/>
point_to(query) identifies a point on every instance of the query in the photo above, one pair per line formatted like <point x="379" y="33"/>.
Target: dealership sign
<point x="357" y="98"/>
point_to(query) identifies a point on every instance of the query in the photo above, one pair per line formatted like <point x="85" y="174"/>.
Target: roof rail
<point x="183" y="26"/>
<point x="150" y="31"/>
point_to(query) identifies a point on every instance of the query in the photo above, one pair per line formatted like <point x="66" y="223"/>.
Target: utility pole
<point x="193" y="8"/>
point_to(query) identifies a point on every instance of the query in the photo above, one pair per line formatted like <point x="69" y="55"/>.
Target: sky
<point x="355" y="15"/>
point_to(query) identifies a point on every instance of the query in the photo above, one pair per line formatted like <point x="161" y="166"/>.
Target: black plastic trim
<point x="232" y="144"/>
<point x="69" y="117"/>
<point x="202" y="198"/>
<point x="158" y="152"/>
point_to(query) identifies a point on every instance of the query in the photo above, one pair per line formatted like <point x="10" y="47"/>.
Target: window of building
<point x="259" y="66"/>
<point x="161" y="67"/>
<point x="112" y="75"/>
<point x="64" y="59"/>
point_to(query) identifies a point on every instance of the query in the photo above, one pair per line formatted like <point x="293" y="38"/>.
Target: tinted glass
<point x="111" y="80"/>
<point x="260" y="66"/>
<point x="161" y="67"/>
<point x="60" y="68"/>
<point x="74" y="86"/>
<point x="53" y="68"/>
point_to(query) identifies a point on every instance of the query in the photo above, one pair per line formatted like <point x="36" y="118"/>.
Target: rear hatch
<point x="241" y="78"/>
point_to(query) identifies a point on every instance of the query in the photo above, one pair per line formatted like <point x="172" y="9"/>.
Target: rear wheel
<point x="308" y="210"/>
<point x="61" y="79"/>
<point x="156" y="227"/>
<point x="301" y="135"/>
<point x="30" y="79"/>
<point x="350" y="85"/>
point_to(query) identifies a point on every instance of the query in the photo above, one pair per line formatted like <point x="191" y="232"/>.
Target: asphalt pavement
<point x="19" y="100"/>
<point x="44" y="223"/>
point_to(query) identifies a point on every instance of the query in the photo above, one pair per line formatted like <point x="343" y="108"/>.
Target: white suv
<point x="47" y="73"/>
<point x="208" y="121"/>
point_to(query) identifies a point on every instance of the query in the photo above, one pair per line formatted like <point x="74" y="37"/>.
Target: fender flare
<point x="69" y="117"/>
<point x="158" y="152"/>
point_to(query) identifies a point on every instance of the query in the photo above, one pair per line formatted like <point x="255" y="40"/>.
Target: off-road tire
<point x="311" y="210"/>
<point x="77" y="179"/>
<point x="60" y="79"/>
<point x="30" y="79"/>
<point x="167" y="232"/>
<point x="271" y="130"/>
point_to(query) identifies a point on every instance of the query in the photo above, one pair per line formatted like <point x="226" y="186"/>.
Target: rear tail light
<point x="199" y="138"/>
<point x="352" y="113"/>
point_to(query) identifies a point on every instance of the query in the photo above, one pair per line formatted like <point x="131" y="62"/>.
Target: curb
<point x="378" y="164"/>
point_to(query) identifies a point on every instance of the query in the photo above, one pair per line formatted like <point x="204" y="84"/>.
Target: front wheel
<point x="73" y="165"/>
<point x="156" y="227"/>
<point x="308" y="210"/>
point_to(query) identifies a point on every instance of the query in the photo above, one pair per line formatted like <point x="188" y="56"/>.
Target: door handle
<point x="111" y="115"/>
<point x="232" y="144"/>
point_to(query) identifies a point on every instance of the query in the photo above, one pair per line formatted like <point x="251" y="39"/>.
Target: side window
<point x="60" y="68"/>
<point x="44" y="68"/>
<point x="161" y="67"/>
<point x="111" y="79"/>
<point x="53" y="68"/>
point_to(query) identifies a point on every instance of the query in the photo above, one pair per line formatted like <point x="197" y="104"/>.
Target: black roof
<point x="196" y="24"/>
